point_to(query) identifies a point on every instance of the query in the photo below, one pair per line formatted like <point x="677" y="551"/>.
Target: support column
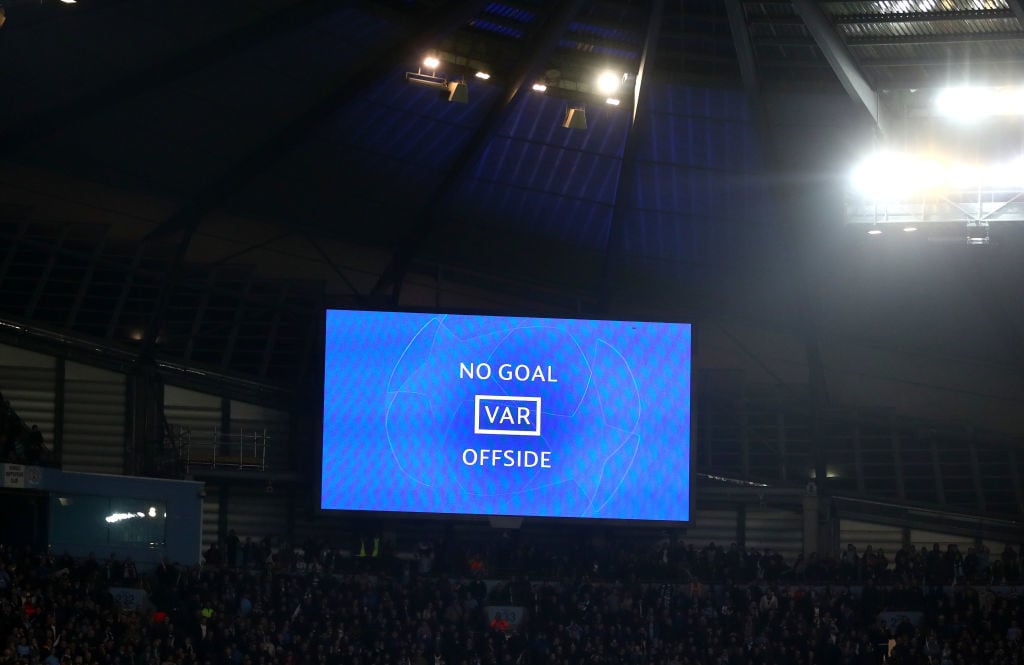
<point x="810" y="515"/>
<point x="897" y="459"/>
<point x="145" y="439"/>
<point x="59" y="377"/>
<point x="224" y="495"/>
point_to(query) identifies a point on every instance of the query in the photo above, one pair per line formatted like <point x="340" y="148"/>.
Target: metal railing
<point x="238" y="449"/>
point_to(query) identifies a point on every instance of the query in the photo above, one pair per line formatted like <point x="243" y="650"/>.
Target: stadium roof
<point x="205" y="177"/>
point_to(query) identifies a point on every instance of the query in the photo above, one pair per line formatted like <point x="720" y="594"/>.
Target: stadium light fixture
<point x="888" y="175"/>
<point x="608" y="82"/>
<point x="483" y="75"/>
<point x="431" y="62"/>
<point x="973" y="103"/>
<point x="539" y="87"/>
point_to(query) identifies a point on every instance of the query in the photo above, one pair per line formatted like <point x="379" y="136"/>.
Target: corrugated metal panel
<point x="571" y="198"/>
<point x="254" y="418"/>
<point x="256" y="513"/>
<point x="995" y="547"/>
<point x="919" y="539"/>
<point x="211" y="512"/>
<point x="692" y="199"/>
<point x="27" y="381"/>
<point x="712" y="526"/>
<point x="200" y="412"/>
<point x="861" y="534"/>
<point x="94" y="419"/>
<point x="778" y="530"/>
<point x="901" y="6"/>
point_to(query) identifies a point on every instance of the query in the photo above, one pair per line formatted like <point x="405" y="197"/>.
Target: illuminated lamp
<point x="608" y="82"/>
<point x="977" y="234"/>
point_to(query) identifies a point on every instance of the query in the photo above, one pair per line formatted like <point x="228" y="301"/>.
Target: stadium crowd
<point x="19" y="442"/>
<point x="264" y="603"/>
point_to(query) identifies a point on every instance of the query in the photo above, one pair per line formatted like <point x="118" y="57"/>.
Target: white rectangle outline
<point x="505" y="398"/>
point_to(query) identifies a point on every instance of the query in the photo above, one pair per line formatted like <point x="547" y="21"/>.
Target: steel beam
<point x="275" y="326"/>
<point x="744" y="48"/>
<point x="840" y="59"/>
<point x="200" y="312"/>
<point x="627" y="173"/>
<point x="924" y="17"/>
<point x="1017" y="7"/>
<point x="236" y="324"/>
<point x="966" y="38"/>
<point x="410" y="246"/>
<point x="86" y="281"/>
<point x="946" y="62"/>
<point x="33" y="302"/>
<point x="129" y="282"/>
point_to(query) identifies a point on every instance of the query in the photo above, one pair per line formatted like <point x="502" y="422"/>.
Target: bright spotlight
<point x="972" y="103"/>
<point x="539" y="87"/>
<point x="887" y="175"/>
<point x="608" y="82"/>
<point x="875" y="232"/>
<point x="612" y="101"/>
<point x="430" y="62"/>
<point x="909" y="229"/>
<point x="69" y="2"/>
<point x="483" y="75"/>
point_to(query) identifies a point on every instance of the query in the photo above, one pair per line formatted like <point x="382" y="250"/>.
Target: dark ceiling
<point x="204" y="177"/>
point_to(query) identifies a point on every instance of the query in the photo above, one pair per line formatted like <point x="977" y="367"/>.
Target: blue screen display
<point x="486" y="415"/>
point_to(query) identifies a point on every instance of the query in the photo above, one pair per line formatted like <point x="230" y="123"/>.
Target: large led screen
<point x="482" y="415"/>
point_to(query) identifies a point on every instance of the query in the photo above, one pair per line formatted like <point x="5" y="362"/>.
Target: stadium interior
<point x="830" y="191"/>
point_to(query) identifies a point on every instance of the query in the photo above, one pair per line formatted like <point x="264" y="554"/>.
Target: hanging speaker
<point x="575" y="119"/>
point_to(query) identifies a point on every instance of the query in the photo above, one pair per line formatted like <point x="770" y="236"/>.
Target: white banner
<point x="14" y="475"/>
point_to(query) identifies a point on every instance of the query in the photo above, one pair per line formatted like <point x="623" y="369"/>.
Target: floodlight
<point x="539" y="87"/>
<point x="972" y="103"/>
<point x="887" y="175"/>
<point x="69" y="2"/>
<point x="612" y="101"/>
<point x="483" y="75"/>
<point x="608" y="82"/>
<point x="431" y="62"/>
<point x="909" y="229"/>
<point x="875" y="232"/>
